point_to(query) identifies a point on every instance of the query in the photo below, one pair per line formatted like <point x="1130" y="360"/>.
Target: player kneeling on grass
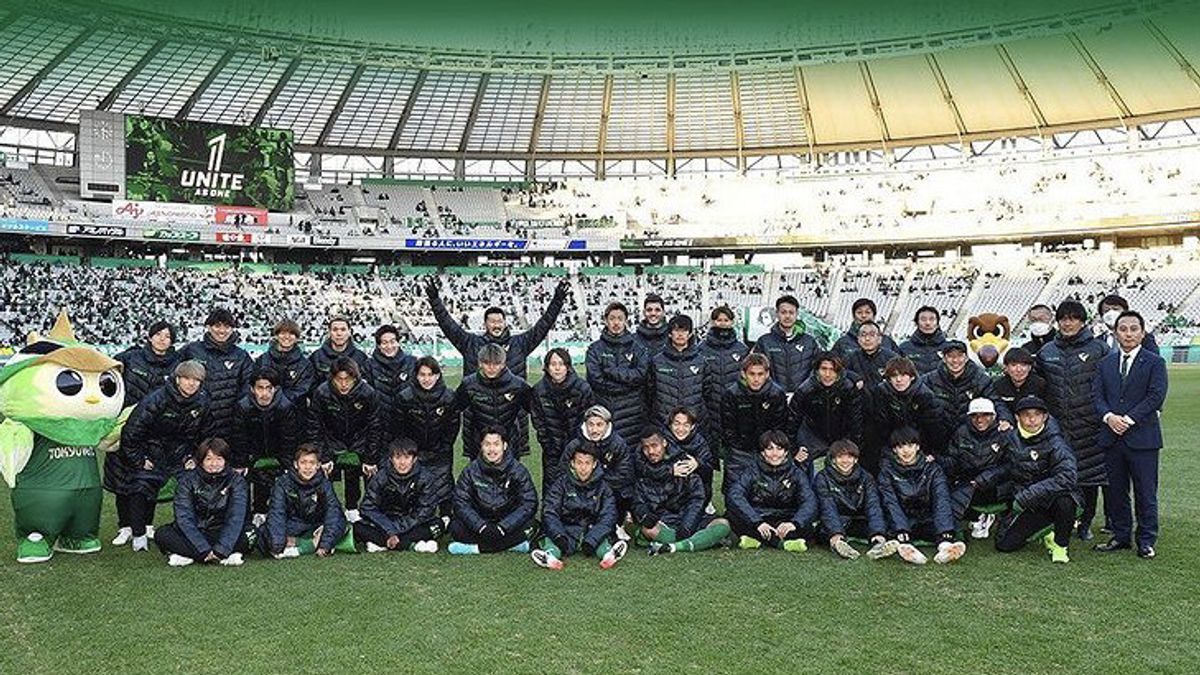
<point x="579" y="513"/>
<point x="849" y="503"/>
<point x="494" y="501"/>
<point x="305" y="515"/>
<point x="668" y="501"/>
<point x="211" y="512"/>
<point x="1041" y="468"/>
<point x="917" y="500"/>
<point x="974" y="465"/>
<point x="399" y="509"/>
<point x="772" y="502"/>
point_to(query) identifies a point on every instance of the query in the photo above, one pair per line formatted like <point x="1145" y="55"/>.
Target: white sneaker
<point x="912" y="554"/>
<point x="545" y="559"/>
<point x="949" y="552"/>
<point x="352" y="516"/>
<point x="123" y="536"/>
<point x="710" y="510"/>
<point x="176" y="560"/>
<point x="622" y="535"/>
<point x="981" y="528"/>
<point x="372" y="547"/>
<point x="289" y="552"/>
<point x="614" y="555"/>
<point x="258" y="519"/>
<point x="141" y="543"/>
<point x="427" y="546"/>
<point x="149" y="531"/>
<point x="233" y="560"/>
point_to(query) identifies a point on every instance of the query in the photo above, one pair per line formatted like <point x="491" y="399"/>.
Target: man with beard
<point x="651" y="331"/>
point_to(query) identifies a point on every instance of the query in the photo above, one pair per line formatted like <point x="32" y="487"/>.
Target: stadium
<point x="318" y="162"/>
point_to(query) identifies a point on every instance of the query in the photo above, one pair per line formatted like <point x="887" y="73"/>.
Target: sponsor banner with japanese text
<point x="237" y="237"/>
<point x="162" y="212"/>
<point x="20" y="225"/>
<point x="171" y="235"/>
<point x="241" y="215"/>
<point x="96" y="230"/>
<point x="467" y="244"/>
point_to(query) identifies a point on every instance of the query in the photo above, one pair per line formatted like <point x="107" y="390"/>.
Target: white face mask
<point x="1039" y="328"/>
<point x="1110" y="318"/>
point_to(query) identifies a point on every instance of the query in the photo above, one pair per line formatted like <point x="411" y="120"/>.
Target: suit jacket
<point x="1140" y="397"/>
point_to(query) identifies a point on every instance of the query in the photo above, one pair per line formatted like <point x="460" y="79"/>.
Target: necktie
<point x="1124" y="366"/>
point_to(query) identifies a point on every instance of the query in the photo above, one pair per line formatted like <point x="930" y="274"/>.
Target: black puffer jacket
<point x="389" y="374"/>
<point x="724" y="353"/>
<point x="617" y="370"/>
<point x="681" y="379"/>
<point x="925" y="351"/>
<point x="746" y="414"/>
<point x="659" y="495"/>
<point x="1069" y="364"/>
<point x="517" y="347"/>
<point x="695" y="445"/>
<point x="297" y="378"/>
<point x="955" y="394"/>
<point x="166" y="428"/>
<point x="322" y="360"/>
<point x="1041" y="468"/>
<point x="791" y="355"/>
<point x="493" y="402"/>
<point x="651" y="338"/>
<point x="916" y="407"/>
<point x="145" y="371"/>
<point x="849" y="497"/>
<point x="271" y="432"/>
<point x="915" y="495"/>
<point x="212" y="502"/>
<point x="847" y="344"/>
<point x="868" y="368"/>
<point x="501" y="494"/>
<point x="826" y="414"/>
<point x="615" y="457"/>
<point x="339" y="424"/>
<point x="427" y="416"/>
<point x="557" y="411"/>
<point x="1008" y="393"/>
<point x="396" y="503"/>
<point x="299" y="506"/>
<point x="978" y="456"/>
<point x="229" y="369"/>
<point x="773" y="494"/>
<point x="579" y="514"/>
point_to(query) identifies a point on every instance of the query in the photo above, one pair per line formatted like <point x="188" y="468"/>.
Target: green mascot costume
<point x="58" y="400"/>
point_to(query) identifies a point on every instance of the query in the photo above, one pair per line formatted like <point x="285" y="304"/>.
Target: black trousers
<point x="261" y="482"/>
<point x="856" y="528"/>
<point x="170" y="539"/>
<point x="366" y="531"/>
<point x="443" y="478"/>
<point x="1016" y="529"/>
<point x="490" y="544"/>
<point x="1091" y="495"/>
<point x="141" y="513"/>
<point x="351" y="477"/>
<point x="123" y="515"/>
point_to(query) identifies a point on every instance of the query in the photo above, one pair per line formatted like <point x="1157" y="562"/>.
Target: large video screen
<point x="199" y="163"/>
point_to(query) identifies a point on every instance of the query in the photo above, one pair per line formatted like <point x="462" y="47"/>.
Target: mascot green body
<point x="58" y="400"/>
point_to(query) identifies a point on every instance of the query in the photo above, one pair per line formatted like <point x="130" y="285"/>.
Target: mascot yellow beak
<point x="999" y="343"/>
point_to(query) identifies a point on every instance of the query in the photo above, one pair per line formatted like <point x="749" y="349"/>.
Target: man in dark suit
<point x="1129" y="388"/>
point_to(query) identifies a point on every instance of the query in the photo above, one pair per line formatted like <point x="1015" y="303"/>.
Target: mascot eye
<point x="108" y="384"/>
<point x="1000" y="330"/>
<point x="69" y="383"/>
<point x="976" y="333"/>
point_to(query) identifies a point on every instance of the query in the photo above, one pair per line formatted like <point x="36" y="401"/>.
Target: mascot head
<point x="988" y="334"/>
<point x="61" y="388"/>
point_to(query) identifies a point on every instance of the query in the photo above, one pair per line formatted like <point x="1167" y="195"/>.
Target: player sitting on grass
<point x="305" y="515"/>
<point x="579" y="513"/>
<point x="849" y="502"/>
<point x="494" y="501"/>
<point x="399" y="509"/>
<point x="211" y="503"/>
<point x="668" y="501"/>
<point x="1041" y="468"/>
<point x="917" y="501"/>
<point x="772" y="502"/>
<point x="974" y="465"/>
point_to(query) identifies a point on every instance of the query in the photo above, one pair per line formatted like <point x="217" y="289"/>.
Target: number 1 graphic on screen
<point x="216" y="152"/>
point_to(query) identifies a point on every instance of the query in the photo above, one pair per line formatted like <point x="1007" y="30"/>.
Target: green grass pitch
<point x="718" y="611"/>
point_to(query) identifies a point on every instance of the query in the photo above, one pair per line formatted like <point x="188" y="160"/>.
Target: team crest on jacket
<point x="358" y="406"/>
<point x="439" y="410"/>
<point x="695" y="369"/>
<point x="195" y="413"/>
<point x="508" y="396"/>
<point x="1084" y="357"/>
<point x="786" y="483"/>
<point x="766" y="405"/>
<point x="229" y="365"/>
<point x="736" y="356"/>
<point x="799" y="348"/>
<point x="292" y="374"/>
<point x="629" y="356"/>
<point x="1033" y="454"/>
<point x="995" y="447"/>
<point x="569" y="403"/>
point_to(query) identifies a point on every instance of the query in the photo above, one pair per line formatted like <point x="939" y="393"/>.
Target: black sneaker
<point x="1085" y="533"/>
<point x="1111" y="546"/>
<point x="1146" y="552"/>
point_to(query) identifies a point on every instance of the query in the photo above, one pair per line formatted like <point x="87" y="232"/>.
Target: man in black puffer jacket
<point x="493" y="396"/>
<point x="339" y="343"/>
<point x="1068" y="364"/>
<point x="863" y="311"/>
<point x="826" y="408"/>
<point x="668" y="503"/>
<point x="956" y="382"/>
<point x="211" y="512"/>
<point x="867" y="363"/>
<point x="147" y="367"/>
<point x="615" y="457"/>
<point x="269" y="429"/>
<point x="924" y="347"/>
<point x="651" y="332"/>
<point x="494" y="501"/>
<point x="756" y="404"/>
<point x="557" y="407"/>
<point x="849" y="504"/>
<point x="790" y="349"/>
<point x="579" y="514"/>
<point x="916" y="500"/>
<point x="1018" y="380"/>
<point x="679" y="375"/>
<point x="617" y="369"/>
<point x="302" y="502"/>
<point x="724" y="353"/>
<point x="772" y="502"/>
<point x="400" y="507"/>
<point x="389" y="369"/>
<point x="974" y="465"/>
<point x="295" y="370"/>
<point x="425" y="412"/>
<point x="901" y="400"/>
<point x="496" y="331"/>
<point x="344" y="424"/>
<point x="228" y="369"/>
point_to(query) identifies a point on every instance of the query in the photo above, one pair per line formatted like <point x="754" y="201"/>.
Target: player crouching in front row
<point x="494" y="501"/>
<point x="850" y="504"/>
<point x="399" y="510"/>
<point x="917" y="500"/>
<point x="772" y="502"/>
<point x="669" y="500"/>
<point x="579" y="513"/>
<point x="305" y="515"/>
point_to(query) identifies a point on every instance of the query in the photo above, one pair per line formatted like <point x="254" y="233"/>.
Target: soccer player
<point x="974" y="465"/>
<point x="868" y="361"/>
<point x="211" y="512"/>
<point x="494" y="501"/>
<point x="305" y="515"/>
<point x="827" y="407"/>
<point x="617" y="368"/>
<point x="750" y="408"/>
<point x="668" y="503"/>
<point x="399" y="509"/>
<point x="228" y="369"/>
<point x="652" y="330"/>
<point x="559" y="401"/>
<point x="955" y="383"/>
<point x="297" y="378"/>
<point x="924" y="347"/>
<point x="916" y="500"/>
<point x="790" y="349"/>
<point x="863" y="311"/>
<point x="1018" y="380"/>
<point x="901" y="400"/>
<point x="614" y="456"/>
<point x="579" y="514"/>
<point x="686" y="437"/>
<point x="344" y="423"/>
<point x="339" y="343"/>
<point x="772" y="502"/>
<point x="679" y="375"/>
<point x="389" y="369"/>
<point x="724" y="353"/>
<point x="269" y="429"/>
<point x="425" y="412"/>
<point x="493" y="396"/>
<point x="849" y="505"/>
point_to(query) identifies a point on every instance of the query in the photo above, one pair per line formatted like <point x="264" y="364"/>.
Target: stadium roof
<point x="351" y="80"/>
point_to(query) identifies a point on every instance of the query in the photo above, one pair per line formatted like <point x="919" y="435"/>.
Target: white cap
<point x="981" y="406"/>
